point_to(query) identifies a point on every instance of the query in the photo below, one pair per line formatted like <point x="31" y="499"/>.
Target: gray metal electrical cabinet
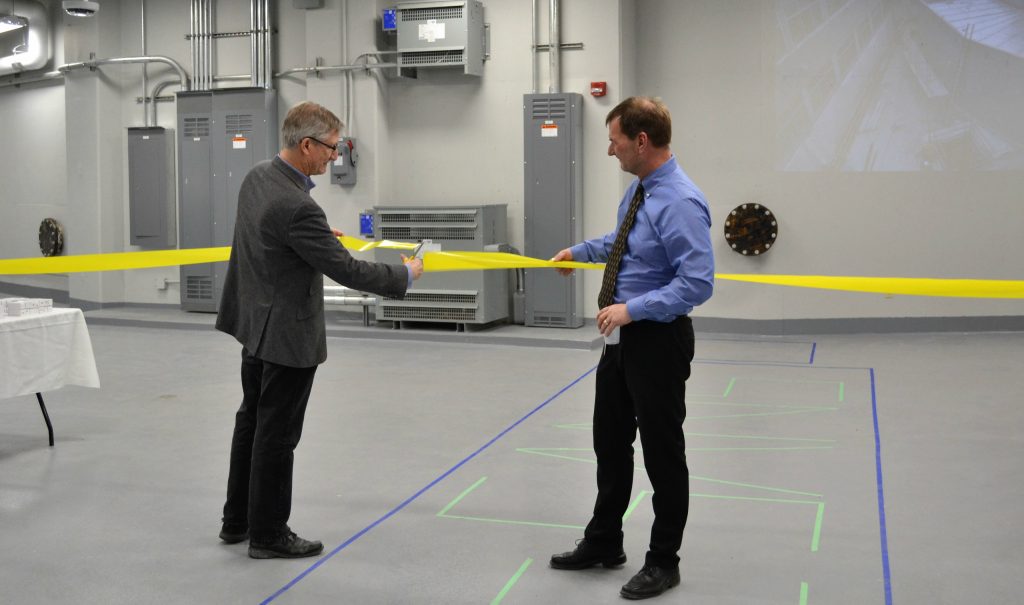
<point x="441" y="34"/>
<point x="552" y="200"/>
<point x="223" y="134"/>
<point x="460" y="297"/>
<point x="151" y="208"/>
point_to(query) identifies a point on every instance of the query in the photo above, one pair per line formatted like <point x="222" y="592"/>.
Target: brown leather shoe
<point x="288" y="546"/>
<point x="649" y="582"/>
<point x="587" y="555"/>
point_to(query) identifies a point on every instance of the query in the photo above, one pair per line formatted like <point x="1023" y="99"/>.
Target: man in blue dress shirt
<point x="667" y="269"/>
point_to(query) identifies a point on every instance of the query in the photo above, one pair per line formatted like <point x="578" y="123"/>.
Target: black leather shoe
<point x="288" y="546"/>
<point x="587" y="555"/>
<point x="233" y="534"/>
<point x="650" y="582"/>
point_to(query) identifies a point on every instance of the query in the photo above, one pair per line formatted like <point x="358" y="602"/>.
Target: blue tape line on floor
<point x="423" y="490"/>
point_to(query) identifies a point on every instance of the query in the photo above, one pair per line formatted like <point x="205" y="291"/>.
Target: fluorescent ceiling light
<point x="12" y="22"/>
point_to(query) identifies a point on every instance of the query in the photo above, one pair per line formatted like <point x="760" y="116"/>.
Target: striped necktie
<point x="611" y="268"/>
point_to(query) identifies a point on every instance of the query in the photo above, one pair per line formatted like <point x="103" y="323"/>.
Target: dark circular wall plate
<point x="751" y="229"/>
<point x="51" y="237"/>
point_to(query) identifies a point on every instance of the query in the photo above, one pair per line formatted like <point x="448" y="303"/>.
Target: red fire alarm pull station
<point x="598" y="89"/>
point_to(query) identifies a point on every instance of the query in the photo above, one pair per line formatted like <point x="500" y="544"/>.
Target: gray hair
<point x="308" y="119"/>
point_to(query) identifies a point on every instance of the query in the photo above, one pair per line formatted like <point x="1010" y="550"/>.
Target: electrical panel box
<point x="151" y="207"/>
<point x="222" y="135"/>
<point x="460" y="297"/>
<point x="441" y="34"/>
<point x="343" y="169"/>
<point x="552" y="204"/>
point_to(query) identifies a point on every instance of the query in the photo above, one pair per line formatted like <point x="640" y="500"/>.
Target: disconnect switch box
<point x="343" y="170"/>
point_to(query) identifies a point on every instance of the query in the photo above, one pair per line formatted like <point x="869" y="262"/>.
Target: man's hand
<point x="415" y="265"/>
<point x="337" y="232"/>
<point x="563" y="255"/>
<point x="612" y="317"/>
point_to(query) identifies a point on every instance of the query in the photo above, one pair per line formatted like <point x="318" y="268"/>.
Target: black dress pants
<point x="268" y="426"/>
<point x="641" y="384"/>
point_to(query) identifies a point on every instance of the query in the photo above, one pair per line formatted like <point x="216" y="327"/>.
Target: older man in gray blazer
<point x="273" y="304"/>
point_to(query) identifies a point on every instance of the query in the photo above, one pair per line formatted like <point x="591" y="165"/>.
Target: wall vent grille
<point x="432" y="57"/>
<point x="548" y="109"/>
<point x="423" y="14"/>
<point x="238" y="124"/>
<point x="433" y="233"/>
<point x="198" y="287"/>
<point x="197" y="127"/>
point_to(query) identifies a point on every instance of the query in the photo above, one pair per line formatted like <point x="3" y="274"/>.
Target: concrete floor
<point x="825" y="469"/>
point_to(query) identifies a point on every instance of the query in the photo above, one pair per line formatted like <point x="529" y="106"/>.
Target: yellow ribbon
<point x="907" y="286"/>
<point x="468" y="261"/>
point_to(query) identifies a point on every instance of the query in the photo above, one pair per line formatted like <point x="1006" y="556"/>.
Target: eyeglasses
<point x="333" y="148"/>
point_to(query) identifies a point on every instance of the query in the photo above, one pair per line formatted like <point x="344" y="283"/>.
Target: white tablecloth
<point x="40" y="353"/>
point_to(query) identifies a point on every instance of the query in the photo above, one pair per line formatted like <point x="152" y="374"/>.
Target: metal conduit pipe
<point x="362" y="301"/>
<point x="341" y="291"/>
<point x="198" y="39"/>
<point x="46" y="77"/>
<point x="123" y="60"/>
<point x="199" y="79"/>
<point x="312" y="69"/>
<point x="159" y="88"/>
<point x="208" y="27"/>
<point x="192" y="38"/>
<point x="533" y="44"/>
<point x="349" y="110"/>
<point x="343" y="68"/>
<point x="268" y="59"/>
<point x="145" y="79"/>
<point x="259" y="69"/>
<point x="554" y="50"/>
<point x="252" y="43"/>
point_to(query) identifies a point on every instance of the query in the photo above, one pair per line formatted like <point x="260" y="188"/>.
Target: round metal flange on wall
<point x="751" y="229"/>
<point x="51" y="237"/>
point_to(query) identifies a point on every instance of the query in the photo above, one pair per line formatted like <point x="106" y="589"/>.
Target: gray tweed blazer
<point x="273" y="299"/>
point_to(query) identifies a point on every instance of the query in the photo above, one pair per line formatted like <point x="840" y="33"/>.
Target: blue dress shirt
<point x="305" y="177"/>
<point x="668" y="267"/>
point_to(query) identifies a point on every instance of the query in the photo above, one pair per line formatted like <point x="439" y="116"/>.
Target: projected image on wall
<point x="899" y="85"/>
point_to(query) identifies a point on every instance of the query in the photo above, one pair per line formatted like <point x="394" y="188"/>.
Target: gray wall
<point x="838" y="116"/>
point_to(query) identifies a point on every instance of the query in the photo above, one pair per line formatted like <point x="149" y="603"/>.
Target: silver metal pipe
<point x="209" y="28"/>
<point x="262" y="37"/>
<point x="267" y="46"/>
<point x="554" y="53"/>
<point x="159" y="88"/>
<point x="342" y="291"/>
<point x="193" y="47"/>
<point x="145" y="80"/>
<point x="533" y="44"/>
<point x="200" y="78"/>
<point x="252" y="42"/>
<point x="46" y="77"/>
<point x="123" y="60"/>
<point x="349" y="80"/>
<point x="342" y="68"/>
<point x="200" y="48"/>
<point x="350" y="300"/>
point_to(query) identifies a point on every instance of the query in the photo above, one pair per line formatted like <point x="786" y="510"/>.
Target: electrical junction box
<point x="441" y="34"/>
<point x="151" y="207"/>
<point x="343" y="170"/>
